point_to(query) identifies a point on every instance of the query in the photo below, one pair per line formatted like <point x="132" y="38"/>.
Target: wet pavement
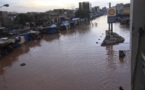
<point x="69" y="60"/>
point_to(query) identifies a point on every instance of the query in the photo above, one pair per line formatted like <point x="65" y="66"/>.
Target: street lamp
<point x="5" y="5"/>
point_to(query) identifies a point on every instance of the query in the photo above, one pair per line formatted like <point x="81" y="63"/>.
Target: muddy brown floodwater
<point x="69" y="60"/>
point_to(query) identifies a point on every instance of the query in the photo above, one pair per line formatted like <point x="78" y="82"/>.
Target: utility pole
<point x="110" y="24"/>
<point x="109" y="27"/>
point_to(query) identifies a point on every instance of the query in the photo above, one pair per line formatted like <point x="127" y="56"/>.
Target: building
<point x="93" y="10"/>
<point x="65" y="13"/>
<point x="137" y="27"/>
<point x="126" y="9"/>
<point x="97" y="9"/>
<point x="104" y="10"/>
<point x="119" y="8"/>
<point x="85" y="5"/>
<point x="40" y="18"/>
<point x="123" y="9"/>
<point x="4" y="21"/>
<point x="61" y="14"/>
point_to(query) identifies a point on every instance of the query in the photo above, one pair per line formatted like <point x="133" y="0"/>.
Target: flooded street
<point x="69" y="60"/>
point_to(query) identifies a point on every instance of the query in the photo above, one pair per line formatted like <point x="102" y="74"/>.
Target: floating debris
<point x="120" y="88"/>
<point x="23" y="64"/>
<point x="121" y="54"/>
<point x="97" y="42"/>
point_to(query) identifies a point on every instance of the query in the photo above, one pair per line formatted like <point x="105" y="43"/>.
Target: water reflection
<point x="94" y="24"/>
<point x="34" y="43"/>
<point x="122" y="60"/>
<point x="50" y="38"/>
<point x="124" y="26"/>
<point x="81" y="29"/>
<point x="111" y="57"/>
<point x="67" y="32"/>
<point x="10" y="59"/>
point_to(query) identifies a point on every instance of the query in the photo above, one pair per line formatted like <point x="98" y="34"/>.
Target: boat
<point x="52" y="29"/>
<point x="72" y="24"/>
<point x="76" y="21"/>
<point x="65" y="25"/>
<point x="33" y="35"/>
<point x="6" y="45"/>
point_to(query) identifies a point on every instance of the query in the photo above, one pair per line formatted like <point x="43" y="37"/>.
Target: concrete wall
<point x="137" y="21"/>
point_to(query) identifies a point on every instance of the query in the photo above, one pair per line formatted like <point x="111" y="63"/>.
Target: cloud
<point x="45" y="5"/>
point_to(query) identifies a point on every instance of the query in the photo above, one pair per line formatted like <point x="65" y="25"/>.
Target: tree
<point x="22" y="19"/>
<point x="82" y="13"/>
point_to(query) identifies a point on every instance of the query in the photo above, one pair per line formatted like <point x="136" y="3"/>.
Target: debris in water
<point x="121" y="54"/>
<point x="23" y="64"/>
<point x="120" y="88"/>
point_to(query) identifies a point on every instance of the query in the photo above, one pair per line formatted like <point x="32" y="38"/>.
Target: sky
<point x="46" y="5"/>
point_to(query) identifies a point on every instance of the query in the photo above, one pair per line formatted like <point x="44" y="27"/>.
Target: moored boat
<point x="65" y="25"/>
<point x="52" y="29"/>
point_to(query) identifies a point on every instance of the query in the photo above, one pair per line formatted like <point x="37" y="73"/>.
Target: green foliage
<point x="82" y="13"/>
<point x="22" y="19"/>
